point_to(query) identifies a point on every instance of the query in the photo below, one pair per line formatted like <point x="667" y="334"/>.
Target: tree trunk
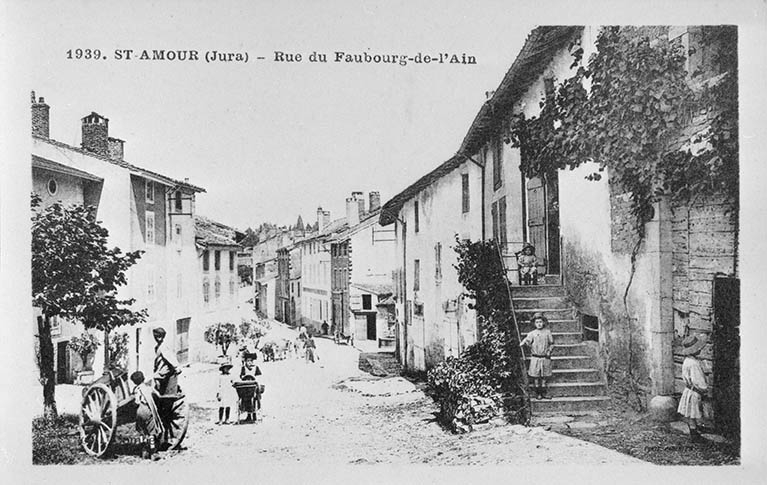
<point x="107" y="360"/>
<point x="47" y="371"/>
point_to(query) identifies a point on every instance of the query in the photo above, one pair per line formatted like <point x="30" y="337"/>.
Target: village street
<point x="331" y="413"/>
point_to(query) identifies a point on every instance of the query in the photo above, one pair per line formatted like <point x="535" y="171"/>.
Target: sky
<point x="270" y="140"/>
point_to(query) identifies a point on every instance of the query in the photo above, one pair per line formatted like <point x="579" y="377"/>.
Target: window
<point x="218" y="260"/>
<point x="415" y="211"/>
<point x="231" y="260"/>
<point x="416" y="275"/>
<point x="438" y="262"/>
<point x="502" y="220"/>
<point x="205" y="291"/>
<point x="177" y="234"/>
<point x="497" y="163"/>
<point x="218" y="289"/>
<point x="367" y="303"/>
<point x="149" y="227"/>
<point x="53" y="187"/>
<point x="418" y="309"/>
<point x="299" y="289"/>
<point x="150" y="284"/>
<point x="206" y="260"/>
<point x="465" y="193"/>
<point x="149" y="191"/>
<point x="179" y="204"/>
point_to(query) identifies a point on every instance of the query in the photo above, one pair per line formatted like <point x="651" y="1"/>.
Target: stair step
<point x="524" y="302"/>
<point x="577" y="349"/>
<point x="563" y="338"/>
<point x="539" y="290"/>
<point x="555" y="325"/>
<point x="575" y="389"/>
<point x="525" y="314"/>
<point x="569" y="362"/>
<point x="575" y="375"/>
<point x="569" y="404"/>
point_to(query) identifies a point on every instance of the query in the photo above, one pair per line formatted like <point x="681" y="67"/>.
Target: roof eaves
<point x="122" y="163"/>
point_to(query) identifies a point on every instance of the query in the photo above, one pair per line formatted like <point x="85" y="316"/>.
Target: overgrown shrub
<point x="487" y="378"/>
<point x="54" y="440"/>
<point x="221" y="335"/>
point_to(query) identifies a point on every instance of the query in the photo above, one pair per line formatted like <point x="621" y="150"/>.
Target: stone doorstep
<point x="574" y="350"/>
<point x="569" y="404"/>
<point x="576" y="389"/>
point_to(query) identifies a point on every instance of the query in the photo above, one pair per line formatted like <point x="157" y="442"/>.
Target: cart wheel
<point x="178" y="422"/>
<point x="98" y="419"/>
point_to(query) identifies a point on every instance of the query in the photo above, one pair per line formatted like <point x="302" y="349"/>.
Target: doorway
<point x="371" y="321"/>
<point x="63" y="363"/>
<point x="542" y="224"/>
<point x="182" y="340"/>
<point x="727" y="356"/>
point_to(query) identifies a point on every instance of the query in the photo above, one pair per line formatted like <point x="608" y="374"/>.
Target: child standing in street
<point x="527" y="262"/>
<point x="541" y="343"/>
<point x="148" y="422"/>
<point x="692" y="404"/>
<point x="310" y="348"/>
<point x="226" y="394"/>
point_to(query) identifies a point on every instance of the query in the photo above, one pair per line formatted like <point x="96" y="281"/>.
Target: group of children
<point x="694" y="405"/>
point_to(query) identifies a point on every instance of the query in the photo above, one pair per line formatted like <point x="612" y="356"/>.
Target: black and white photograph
<point x="387" y="242"/>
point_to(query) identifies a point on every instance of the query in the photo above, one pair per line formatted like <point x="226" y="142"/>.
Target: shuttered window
<point x="465" y="193"/>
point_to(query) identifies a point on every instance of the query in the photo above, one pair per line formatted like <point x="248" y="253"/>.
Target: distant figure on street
<point x="226" y="395"/>
<point x="693" y="404"/>
<point x="310" y="347"/>
<point x="325" y="328"/>
<point x="541" y="343"/>
<point x="148" y="422"/>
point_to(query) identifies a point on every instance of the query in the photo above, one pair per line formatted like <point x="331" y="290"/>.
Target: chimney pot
<point x="352" y="211"/>
<point x="375" y="201"/>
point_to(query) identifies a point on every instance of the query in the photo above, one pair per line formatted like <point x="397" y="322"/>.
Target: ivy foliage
<point x="485" y="379"/>
<point x="625" y="109"/>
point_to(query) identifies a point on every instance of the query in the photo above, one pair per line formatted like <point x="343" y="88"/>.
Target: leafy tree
<point x="76" y="276"/>
<point x="245" y="272"/>
<point x="221" y="335"/>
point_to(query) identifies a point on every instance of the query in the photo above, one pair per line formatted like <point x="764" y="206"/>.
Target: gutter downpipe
<point x="482" y="204"/>
<point x="404" y="290"/>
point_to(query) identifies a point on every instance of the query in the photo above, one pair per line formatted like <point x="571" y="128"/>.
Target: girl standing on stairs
<point x="541" y="343"/>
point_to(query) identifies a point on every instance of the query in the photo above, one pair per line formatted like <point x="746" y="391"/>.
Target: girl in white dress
<point x="226" y="395"/>
<point x="541" y="342"/>
<point x="693" y="404"/>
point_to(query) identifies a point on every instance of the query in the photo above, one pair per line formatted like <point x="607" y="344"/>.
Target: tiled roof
<point x="211" y="233"/>
<point x="377" y="289"/>
<point x="124" y="164"/>
<point x="44" y="163"/>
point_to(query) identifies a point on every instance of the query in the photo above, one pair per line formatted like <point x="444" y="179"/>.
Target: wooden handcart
<point x="108" y="403"/>
<point x="248" y="398"/>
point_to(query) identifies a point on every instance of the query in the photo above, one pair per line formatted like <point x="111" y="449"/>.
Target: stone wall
<point x="704" y="235"/>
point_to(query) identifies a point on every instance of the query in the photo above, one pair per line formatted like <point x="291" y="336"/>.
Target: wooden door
<point x="536" y="217"/>
<point x="371" y="317"/>
<point x="727" y="356"/>
<point x="63" y="363"/>
<point x="182" y="340"/>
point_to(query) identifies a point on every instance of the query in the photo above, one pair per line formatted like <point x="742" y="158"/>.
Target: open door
<point x="543" y="221"/>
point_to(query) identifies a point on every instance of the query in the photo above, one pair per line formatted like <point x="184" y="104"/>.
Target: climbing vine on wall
<point x="624" y="110"/>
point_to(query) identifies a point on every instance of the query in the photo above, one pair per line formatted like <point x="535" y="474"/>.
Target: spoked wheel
<point x="177" y="422"/>
<point x="98" y="419"/>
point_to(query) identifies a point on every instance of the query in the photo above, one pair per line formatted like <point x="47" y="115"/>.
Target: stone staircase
<point x="578" y="384"/>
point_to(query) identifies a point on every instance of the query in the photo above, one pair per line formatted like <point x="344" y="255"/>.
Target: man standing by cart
<point x="166" y="367"/>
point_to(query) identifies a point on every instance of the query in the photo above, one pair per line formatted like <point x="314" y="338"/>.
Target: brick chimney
<point x="40" y="117"/>
<point x="116" y="148"/>
<point x="320" y="219"/>
<point x="352" y="212"/>
<point x="96" y="134"/>
<point x="375" y="201"/>
<point x="359" y="197"/>
<point x="325" y="218"/>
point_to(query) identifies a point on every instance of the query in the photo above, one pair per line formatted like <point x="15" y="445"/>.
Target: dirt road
<point x="331" y="413"/>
